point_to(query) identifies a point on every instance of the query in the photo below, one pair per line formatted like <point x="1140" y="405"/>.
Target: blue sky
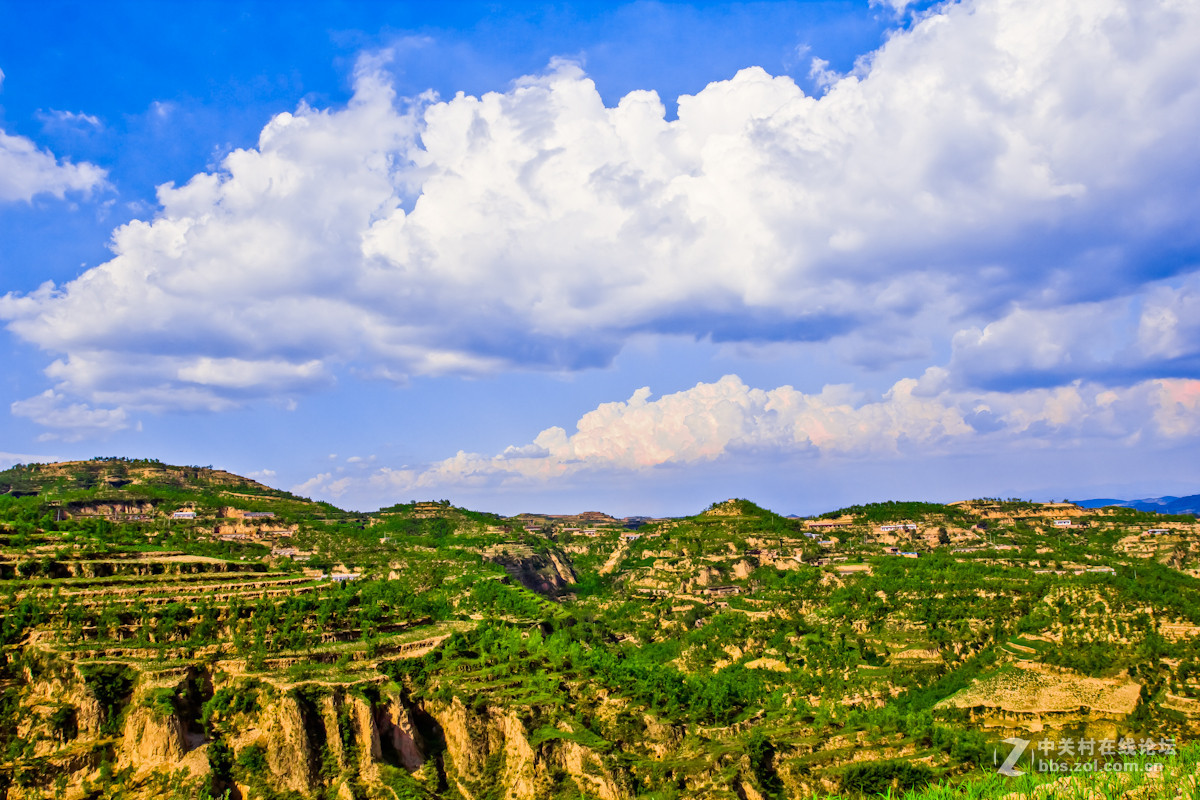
<point x="633" y="257"/>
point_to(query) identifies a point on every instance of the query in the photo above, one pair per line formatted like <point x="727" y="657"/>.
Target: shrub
<point x="882" y="777"/>
<point x="161" y="702"/>
<point x="111" y="685"/>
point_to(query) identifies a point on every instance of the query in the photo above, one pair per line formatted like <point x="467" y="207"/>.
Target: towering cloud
<point x="998" y="157"/>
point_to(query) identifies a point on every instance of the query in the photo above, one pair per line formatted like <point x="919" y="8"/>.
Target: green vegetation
<point x="111" y="685"/>
<point x="893" y="511"/>
<point x="424" y="647"/>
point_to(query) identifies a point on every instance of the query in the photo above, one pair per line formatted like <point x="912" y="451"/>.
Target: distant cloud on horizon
<point x="712" y="422"/>
<point x="70" y="421"/>
<point x="11" y="459"/>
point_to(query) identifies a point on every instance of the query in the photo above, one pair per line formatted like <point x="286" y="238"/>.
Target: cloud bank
<point x="997" y="158"/>
<point x="69" y="421"/>
<point x="720" y="420"/>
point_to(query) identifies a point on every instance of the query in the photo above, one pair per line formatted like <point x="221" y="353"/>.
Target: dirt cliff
<point x="290" y="754"/>
<point x="545" y="573"/>
<point x="491" y="747"/>
<point x="150" y="740"/>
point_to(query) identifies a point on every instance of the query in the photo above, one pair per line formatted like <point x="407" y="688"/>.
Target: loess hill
<point x="184" y="632"/>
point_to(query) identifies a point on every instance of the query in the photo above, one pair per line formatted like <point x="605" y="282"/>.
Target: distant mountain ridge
<point x="1161" y="505"/>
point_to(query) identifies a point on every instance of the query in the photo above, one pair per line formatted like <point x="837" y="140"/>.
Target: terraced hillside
<point x="182" y="632"/>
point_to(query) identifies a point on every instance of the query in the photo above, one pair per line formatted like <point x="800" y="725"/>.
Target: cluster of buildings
<point x="226" y="512"/>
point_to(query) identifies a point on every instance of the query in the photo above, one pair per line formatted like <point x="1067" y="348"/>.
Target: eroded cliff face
<point x="59" y="708"/>
<point x="398" y="728"/>
<point x="80" y="718"/>
<point x="588" y="771"/>
<point x="87" y="719"/>
<point x="313" y="739"/>
<point x="150" y="740"/>
<point x="548" y="573"/>
<point x="111" y="510"/>
<point x="490" y="747"/>
<point x="288" y="744"/>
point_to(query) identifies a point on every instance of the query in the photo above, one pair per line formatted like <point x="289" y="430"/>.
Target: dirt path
<point x="615" y="559"/>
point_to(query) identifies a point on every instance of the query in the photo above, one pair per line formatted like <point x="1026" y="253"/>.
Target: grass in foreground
<point x="1144" y="777"/>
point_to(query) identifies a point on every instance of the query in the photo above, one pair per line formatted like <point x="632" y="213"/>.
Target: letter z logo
<point x="1009" y="766"/>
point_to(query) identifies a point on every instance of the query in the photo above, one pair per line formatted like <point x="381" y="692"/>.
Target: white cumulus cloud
<point x="27" y="171"/>
<point x="323" y="485"/>
<point x="999" y="151"/>
<point x="714" y="421"/>
<point x="69" y="421"/>
<point x="1124" y="340"/>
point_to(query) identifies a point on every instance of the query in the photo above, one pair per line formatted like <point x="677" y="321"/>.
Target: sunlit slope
<point x="177" y="631"/>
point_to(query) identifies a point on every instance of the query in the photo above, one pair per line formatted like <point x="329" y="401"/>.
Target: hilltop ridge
<point x="119" y="473"/>
<point x="1163" y="505"/>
